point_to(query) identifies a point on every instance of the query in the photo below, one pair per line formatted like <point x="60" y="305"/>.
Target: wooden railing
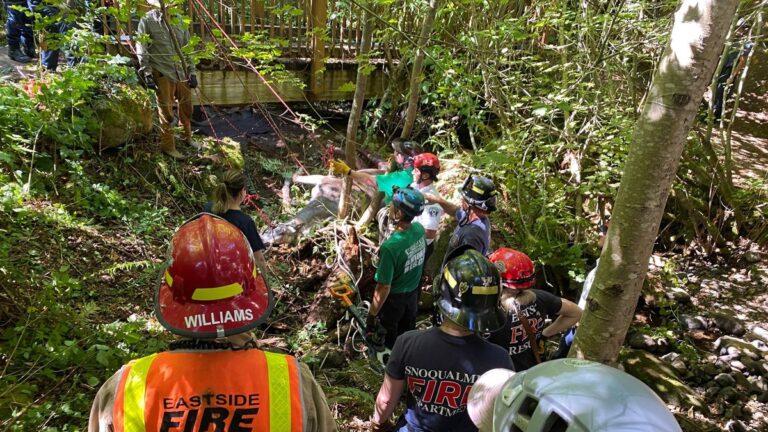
<point x="306" y="26"/>
<point x="313" y="30"/>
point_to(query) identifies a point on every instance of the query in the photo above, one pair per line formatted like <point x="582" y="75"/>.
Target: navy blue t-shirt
<point x="476" y="234"/>
<point x="439" y="370"/>
<point x="513" y="336"/>
<point x="242" y="221"/>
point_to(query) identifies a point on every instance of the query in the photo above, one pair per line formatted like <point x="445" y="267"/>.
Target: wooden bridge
<point x="316" y="47"/>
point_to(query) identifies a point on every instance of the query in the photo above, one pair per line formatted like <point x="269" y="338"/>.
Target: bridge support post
<point x="319" y="24"/>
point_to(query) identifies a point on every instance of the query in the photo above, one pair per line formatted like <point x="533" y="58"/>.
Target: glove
<point x="149" y="82"/>
<point x="376" y="427"/>
<point x="372" y="323"/>
<point x="375" y="332"/>
<point x="339" y="167"/>
<point x="192" y="81"/>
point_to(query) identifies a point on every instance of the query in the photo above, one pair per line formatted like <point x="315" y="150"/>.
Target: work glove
<point x="385" y="427"/>
<point x="339" y="167"/>
<point x="192" y="81"/>
<point x="149" y="82"/>
<point x="372" y="323"/>
<point x="375" y="332"/>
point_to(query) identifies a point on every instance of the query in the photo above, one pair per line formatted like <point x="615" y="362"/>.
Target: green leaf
<point x="347" y="87"/>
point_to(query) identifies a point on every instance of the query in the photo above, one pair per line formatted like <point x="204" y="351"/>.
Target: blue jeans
<point x="18" y="27"/>
<point x="50" y="57"/>
<point x="53" y="38"/>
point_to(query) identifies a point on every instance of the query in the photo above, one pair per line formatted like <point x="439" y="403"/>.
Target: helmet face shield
<point x="479" y="192"/>
<point x="211" y="287"/>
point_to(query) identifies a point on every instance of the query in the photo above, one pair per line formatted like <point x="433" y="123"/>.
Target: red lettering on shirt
<point x="516" y="333"/>
<point x="449" y="391"/>
<point x="430" y="391"/>
<point x="415" y="385"/>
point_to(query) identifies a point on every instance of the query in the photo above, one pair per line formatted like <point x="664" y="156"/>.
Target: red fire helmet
<point x="211" y="287"/>
<point x="426" y="160"/>
<point x="517" y="270"/>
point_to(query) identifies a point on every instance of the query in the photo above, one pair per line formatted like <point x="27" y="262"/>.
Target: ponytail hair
<point x="513" y="299"/>
<point x="231" y="184"/>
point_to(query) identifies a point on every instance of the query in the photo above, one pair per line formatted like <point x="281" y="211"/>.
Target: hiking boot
<point x="174" y="153"/>
<point x="30" y="52"/>
<point x="18" y="56"/>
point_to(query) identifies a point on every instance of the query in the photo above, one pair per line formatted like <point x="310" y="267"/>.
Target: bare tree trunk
<point x="350" y="149"/>
<point x="682" y="75"/>
<point x="416" y="72"/>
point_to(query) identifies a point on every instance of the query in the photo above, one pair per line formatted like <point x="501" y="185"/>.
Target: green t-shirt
<point x="401" y="260"/>
<point x="400" y="179"/>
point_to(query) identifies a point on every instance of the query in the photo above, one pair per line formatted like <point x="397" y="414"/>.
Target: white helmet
<point x="571" y="395"/>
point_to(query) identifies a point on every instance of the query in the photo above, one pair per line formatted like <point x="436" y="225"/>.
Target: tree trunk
<point x="661" y="132"/>
<point x="416" y="72"/>
<point x="350" y="149"/>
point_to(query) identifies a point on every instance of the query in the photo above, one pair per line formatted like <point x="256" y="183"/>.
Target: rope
<point x="248" y="62"/>
<point x="250" y="200"/>
<point x="267" y="116"/>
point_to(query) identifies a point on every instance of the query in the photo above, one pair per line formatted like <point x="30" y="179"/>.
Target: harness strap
<point x="531" y="333"/>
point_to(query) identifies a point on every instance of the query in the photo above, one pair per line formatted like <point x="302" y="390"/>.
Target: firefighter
<point x="401" y="261"/>
<point x="214" y="377"/>
<point x="426" y="167"/>
<point x="437" y="367"/>
<point x="478" y="201"/>
<point x="527" y="309"/>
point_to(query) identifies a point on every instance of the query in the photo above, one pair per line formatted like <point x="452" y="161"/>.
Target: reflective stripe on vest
<point x="249" y="390"/>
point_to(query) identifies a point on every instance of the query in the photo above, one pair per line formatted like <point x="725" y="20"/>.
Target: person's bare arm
<point x="568" y="316"/>
<point x="380" y="295"/>
<point x="386" y="401"/>
<point x="447" y="206"/>
<point x="364" y="179"/>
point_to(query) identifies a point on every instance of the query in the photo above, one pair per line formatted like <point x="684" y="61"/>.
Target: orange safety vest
<point x="248" y="390"/>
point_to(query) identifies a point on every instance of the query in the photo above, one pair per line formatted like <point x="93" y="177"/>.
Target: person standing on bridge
<point x="438" y="366"/>
<point x="214" y="378"/>
<point x="165" y="68"/>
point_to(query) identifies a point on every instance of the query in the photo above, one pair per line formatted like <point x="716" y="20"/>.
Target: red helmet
<point x="517" y="270"/>
<point x="426" y="160"/>
<point x="211" y="287"/>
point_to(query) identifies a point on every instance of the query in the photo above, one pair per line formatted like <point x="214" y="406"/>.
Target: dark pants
<point x="398" y="315"/>
<point x="53" y="39"/>
<point x="18" y="27"/>
<point x="428" y="251"/>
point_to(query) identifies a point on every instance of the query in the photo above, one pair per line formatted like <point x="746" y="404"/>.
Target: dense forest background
<point x="543" y="96"/>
